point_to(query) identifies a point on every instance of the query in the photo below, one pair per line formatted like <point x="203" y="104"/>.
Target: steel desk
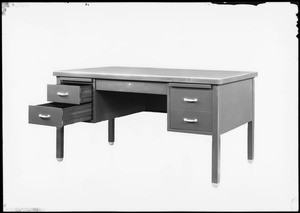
<point x="206" y="102"/>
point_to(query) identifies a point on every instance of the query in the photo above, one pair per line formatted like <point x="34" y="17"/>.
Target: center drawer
<point x="132" y="86"/>
<point x="59" y="114"/>
<point x="71" y="94"/>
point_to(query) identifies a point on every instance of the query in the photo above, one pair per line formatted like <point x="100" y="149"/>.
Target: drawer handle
<point x="189" y="100"/>
<point x="44" y="116"/>
<point x="62" y="94"/>
<point x="190" y="120"/>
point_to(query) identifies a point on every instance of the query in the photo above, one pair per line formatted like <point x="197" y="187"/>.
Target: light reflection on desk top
<point x="158" y="74"/>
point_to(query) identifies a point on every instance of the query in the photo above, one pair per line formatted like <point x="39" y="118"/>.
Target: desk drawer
<point x="190" y="99"/>
<point x="190" y="120"/>
<point x="132" y="86"/>
<point x="71" y="94"/>
<point x="59" y="114"/>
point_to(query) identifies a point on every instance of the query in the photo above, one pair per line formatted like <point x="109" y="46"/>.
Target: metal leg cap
<point x="250" y="161"/>
<point x="215" y="185"/>
<point x="59" y="159"/>
<point x="111" y="143"/>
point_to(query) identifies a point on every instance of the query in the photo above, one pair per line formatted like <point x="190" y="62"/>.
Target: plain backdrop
<point x="149" y="168"/>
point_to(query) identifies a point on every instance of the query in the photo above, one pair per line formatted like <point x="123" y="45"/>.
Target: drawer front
<point x="190" y="120"/>
<point x="72" y="94"/>
<point x="132" y="86"/>
<point x="190" y="99"/>
<point x="58" y="114"/>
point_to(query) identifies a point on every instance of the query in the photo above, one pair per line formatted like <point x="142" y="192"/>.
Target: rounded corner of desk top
<point x="57" y="74"/>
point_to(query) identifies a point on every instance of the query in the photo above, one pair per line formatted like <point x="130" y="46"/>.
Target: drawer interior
<point x="56" y="105"/>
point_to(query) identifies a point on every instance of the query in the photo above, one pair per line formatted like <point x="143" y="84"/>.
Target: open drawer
<point x="70" y="94"/>
<point x="59" y="114"/>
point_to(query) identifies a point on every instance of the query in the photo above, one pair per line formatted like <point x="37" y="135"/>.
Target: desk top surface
<point x="158" y="74"/>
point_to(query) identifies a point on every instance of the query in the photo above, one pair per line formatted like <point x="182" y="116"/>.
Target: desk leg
<point x="215" y="160"/>
<point x="216" y="137"/>
<point x="111" y="131"/>
<point x="251" y="130"/>
<point x="59" y="143"/>
<point x="250" y="141"/>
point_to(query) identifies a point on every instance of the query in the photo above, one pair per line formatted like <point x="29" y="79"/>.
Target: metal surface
<point x="62" y="93"/>
<point x="186" y="120"/>
<point x="158" y="74"/>
<point x="250" y="133"/>
<point x="196" y="101"/>
<point x="178" y="97"/>
<point x="44" y="116"/>
<point x="178" y="109"/>
<point x="60" y="143"/>
<point x="189" y="100"/>
<point x="54" y="112"/>
<point x="76" y="80"/>
<point x="235" y="102"/>
<point x="132" y="86"/>
<point x="111" y="130"/>
<point x="250" y="141"/>
<point x="58" y="114"/>
<point x="72" y="94"/>
<point x="216" y="136"/>
<point x="190" y="85"/>
<point x="215" y="185"/>
<point x="190" y="120"/>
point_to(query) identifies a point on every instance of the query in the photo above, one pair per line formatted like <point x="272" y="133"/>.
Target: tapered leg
<point x="215" y="159"/>
<point x="111" y="131"/>
<point x="250" y="141"/>
<point x="59" y="143"/>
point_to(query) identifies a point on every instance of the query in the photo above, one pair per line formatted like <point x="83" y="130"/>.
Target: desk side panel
<point x="236" y="104"/>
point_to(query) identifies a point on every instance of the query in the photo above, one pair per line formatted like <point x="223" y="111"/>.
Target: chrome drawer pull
<point x="189" y="100"/>
<point x="190" y="120"/>
<point x="62" y="94"/>
<point x="44" y="116"/>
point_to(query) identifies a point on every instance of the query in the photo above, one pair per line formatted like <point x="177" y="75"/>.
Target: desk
<point x="196" y="101"/>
